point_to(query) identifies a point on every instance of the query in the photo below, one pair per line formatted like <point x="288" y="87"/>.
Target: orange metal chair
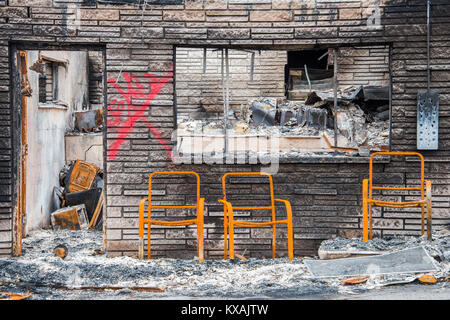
<point x="368" y="201"/>
<point x="199" y="206"/>
<point x="230" y="222"/>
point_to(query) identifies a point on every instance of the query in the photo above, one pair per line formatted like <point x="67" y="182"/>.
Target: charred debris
<point x="81" y="197"/>
<point x="362" y="118"/>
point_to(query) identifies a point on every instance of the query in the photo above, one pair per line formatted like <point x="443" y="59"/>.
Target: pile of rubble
<point x="362" y="118"/>
<point x="81" y="197"/>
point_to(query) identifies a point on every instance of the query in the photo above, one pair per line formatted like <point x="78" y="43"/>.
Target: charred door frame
<point x="16" y="112"/>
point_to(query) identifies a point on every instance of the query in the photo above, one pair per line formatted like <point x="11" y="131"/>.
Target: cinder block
<point x="271" y="15"/>
<point x="99" y="14"/>
<point x="184" y="15"/>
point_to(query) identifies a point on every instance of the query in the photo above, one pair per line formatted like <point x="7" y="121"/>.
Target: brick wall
<point x="363" y="66"/>
<point x="140" y="44"/>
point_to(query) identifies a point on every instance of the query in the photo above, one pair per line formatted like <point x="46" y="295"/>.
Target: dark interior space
<point x="315" y="61"/>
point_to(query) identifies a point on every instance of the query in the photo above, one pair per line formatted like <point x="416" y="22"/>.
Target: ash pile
<point x="80" y="197"/>
<point x="362" y="116"/>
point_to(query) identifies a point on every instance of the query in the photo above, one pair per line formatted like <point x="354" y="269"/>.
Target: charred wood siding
<point x="326" y="197"/>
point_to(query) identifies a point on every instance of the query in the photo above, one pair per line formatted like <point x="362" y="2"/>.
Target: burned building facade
<point x="165" y="80"/>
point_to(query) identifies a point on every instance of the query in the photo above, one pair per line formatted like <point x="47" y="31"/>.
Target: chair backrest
<point x="422" y="170"/>
<point x="272" y="201"/>
<point x="173" y="173"/>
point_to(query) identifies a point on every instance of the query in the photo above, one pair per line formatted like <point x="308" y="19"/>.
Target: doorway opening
<point x="58" y="95"/>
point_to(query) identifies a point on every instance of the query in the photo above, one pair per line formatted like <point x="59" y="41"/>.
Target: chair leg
<point x="370" y="222"/>
<point x="290" y="231"/>
<point x="231" y="227"/>
<point x="198" y="244"/>
<point x="422" y="230"/>
<point x="274" y="241"/>
<point x="198" y="240"/>
<point x="200" y="220"/>
<point x="290" y="240"/>
<point x="148" y="241"/>
<point x="225" y="233"/>
<point x="429" y="222"/>
<point x="365" y="212"/>
<point x="429" y="209"/>
<point x="200" y="251"/>
<point x="141" y="228"/>
<point x="141" y="248"/>
<point x="365" y="222"/>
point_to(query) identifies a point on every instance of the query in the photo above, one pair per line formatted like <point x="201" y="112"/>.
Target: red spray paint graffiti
<point x="118" y="107"/>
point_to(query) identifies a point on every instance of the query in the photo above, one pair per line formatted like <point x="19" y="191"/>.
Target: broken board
<point x="412" y="260"/>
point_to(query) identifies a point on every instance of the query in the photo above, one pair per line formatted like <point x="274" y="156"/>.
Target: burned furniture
<point x="81" y="185"/>
<point x="72" y="218"/>
<point x="230" y="222"/>
<point x="198" y="206"/>
<point x="93" y="201"/>
<point x="369" y="201"/>
<point x="81" y="176"/>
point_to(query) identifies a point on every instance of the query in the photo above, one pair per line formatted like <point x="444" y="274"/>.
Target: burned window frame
<point x="43" y="64"/>
<point x="44" y="97"/>
<point x="360" y="153"/>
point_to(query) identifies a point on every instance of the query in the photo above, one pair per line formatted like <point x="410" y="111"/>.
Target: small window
<point x="54" y="85"/>
<point x="42" y="88"/>
<point x="48" y="84"/>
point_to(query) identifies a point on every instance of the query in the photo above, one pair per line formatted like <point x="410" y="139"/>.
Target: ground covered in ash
<point x="50" y="277"/>
<point x="438" y="248"/>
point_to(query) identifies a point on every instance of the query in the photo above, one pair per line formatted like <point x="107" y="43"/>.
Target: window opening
<point x="286" y="95"/>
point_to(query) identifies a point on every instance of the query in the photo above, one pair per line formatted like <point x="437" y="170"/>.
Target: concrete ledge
<point x="244" y="159"/>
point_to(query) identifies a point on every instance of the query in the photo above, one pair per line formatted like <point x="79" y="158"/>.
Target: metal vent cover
<point x="427" y="121"/>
